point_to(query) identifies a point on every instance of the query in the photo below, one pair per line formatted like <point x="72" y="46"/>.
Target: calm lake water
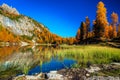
<point x="16" y="60"/>
<point x="30" y="60"/>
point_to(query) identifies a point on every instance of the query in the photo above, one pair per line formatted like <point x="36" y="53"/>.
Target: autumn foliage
<point x="101" y="28"/>
<point x="7" y="36"/>
<point x="118" y="30"/>
<point x="101" y="20"/>
<point x="83" y="31"/>
<point x="46" y="37"/>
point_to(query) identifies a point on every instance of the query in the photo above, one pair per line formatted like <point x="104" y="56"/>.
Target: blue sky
<point x="62" y="17"/>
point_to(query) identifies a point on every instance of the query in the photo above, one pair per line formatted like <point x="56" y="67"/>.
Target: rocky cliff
<point x="20" y="25"/>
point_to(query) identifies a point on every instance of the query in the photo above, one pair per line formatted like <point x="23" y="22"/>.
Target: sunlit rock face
<point x="21" y="27"/>
<point x="8" y="9"/>
<point x="18" y="24"/>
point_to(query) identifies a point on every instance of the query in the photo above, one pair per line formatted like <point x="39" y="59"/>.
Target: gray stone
<point x="92" y="69"/>
<point x="9" y="9"/>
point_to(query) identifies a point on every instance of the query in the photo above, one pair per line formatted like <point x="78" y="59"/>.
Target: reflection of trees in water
<point x="43" y="53"/>
<point x="26" y="57"/>
<point x="7" y="51"/>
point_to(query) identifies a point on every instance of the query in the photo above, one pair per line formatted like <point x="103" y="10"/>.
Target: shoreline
<point x="93" y="72"/>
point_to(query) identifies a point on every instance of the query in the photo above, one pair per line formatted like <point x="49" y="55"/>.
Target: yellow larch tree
<point x="101" y="20"/>
<point x="114" y="18"/>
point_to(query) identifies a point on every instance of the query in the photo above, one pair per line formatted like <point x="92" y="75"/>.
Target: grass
<point x="9" y="72"/>
<point x="94" y="54"/>
<point x="75" y="65"/>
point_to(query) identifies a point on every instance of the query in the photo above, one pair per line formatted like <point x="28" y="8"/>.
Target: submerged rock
<point x="53" y="75"/>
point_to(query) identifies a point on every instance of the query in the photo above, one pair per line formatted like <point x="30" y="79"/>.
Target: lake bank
<point x="93" y="72"/>
<point x="22" y="60"/>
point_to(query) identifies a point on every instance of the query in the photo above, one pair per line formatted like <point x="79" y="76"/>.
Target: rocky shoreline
<point x="92" y="73"/>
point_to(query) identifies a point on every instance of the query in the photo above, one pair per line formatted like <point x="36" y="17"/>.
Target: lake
<point x="16" y="60"/>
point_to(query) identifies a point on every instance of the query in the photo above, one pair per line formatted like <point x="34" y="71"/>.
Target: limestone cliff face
<point x="8" y="9"/>
<point x="21" y="25"/>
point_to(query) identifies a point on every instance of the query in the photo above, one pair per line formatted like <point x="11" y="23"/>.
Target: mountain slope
<point x="18" y="24"/>
<point x="19" y="28"/>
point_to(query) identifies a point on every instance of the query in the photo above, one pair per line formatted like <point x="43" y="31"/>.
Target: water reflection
<point x="7" y="51"/>
<point x="53" y="64"/>
<point x="31" y="59"/>
<point x="34" y="59"/>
